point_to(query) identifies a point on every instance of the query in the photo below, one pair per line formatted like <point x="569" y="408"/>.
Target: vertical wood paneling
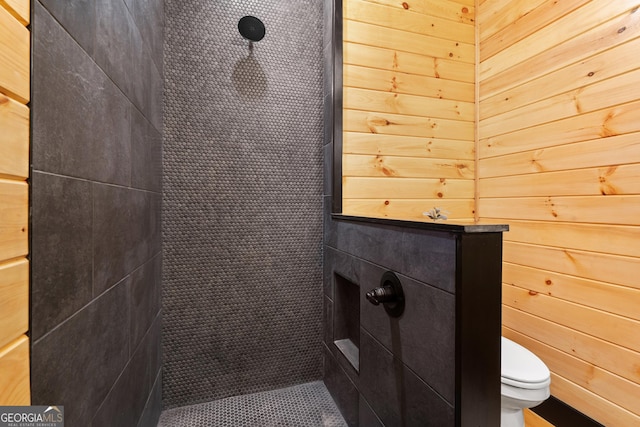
<point x="14" y="202"/>
<point x="559" y="159"/>
<point x="409" y="108"/>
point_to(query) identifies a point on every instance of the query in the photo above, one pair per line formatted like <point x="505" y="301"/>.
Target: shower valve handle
<point x="389" y="294"/>
<point x="382" y="294"/>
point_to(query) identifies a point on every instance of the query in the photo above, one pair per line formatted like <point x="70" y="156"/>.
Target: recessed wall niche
<point x="346" y="326"/>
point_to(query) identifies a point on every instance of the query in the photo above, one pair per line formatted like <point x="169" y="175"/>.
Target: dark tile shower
<point x="242" y="211"/>
<point x="186" y="264"/>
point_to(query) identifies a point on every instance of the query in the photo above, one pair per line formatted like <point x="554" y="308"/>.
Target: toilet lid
<point x="520" y="367"/>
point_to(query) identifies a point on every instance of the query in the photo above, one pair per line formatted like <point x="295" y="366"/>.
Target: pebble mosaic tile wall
<point x="242" y="199"/>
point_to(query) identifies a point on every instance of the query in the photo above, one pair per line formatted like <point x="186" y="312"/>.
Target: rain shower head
<point x="251" y="28"/>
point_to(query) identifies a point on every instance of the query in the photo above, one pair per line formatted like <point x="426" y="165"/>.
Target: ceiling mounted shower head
<point x="251" y="28"/>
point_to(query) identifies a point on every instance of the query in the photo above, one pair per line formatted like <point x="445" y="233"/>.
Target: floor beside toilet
<point x="531" y="419"/>
<point x="304" y="405"/>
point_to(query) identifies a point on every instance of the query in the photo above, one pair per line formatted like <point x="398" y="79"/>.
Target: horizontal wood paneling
<point x="533" y="16"/>
<point x="608" y="356"/>
<point x="20" y="9"/>
<point x="596" y="96"/>
<point x="608" y="413"/>
<point x="559" y="160"/>
<point x="407" y="188"/>
<point x="457" y="11"/>
<point x="583" y="374"/>
<point x="496" y="15"/>
<point x="394" y="145"/>
<point x="403" y="125"/>
<point x="408" y="105"/>
<point x="610" y="268"/>
<point x="375" y="35"/>
<point x="616" y="299"/>
<point x="408" y="108"/>
<point x="621" y="240"/>
<point x="406" y="167"/>
<point x="14" y="300"/>
<point x="419" y="23"/>
<point x="14" y="138"/>
<point x="13" y="219"/>
<point x="589" y="16"/>
<point x="394" y="82"/>
<point x="14" y="57"/>
<point x="605" y="123"/>
<point x="598" y="323"/>
<point x="14" y="202"/>
<point x="571" y="79"/>
<point x="408" y="63"/>
<point x="608" y="180"/>
<point x="460" y="210"/>
<point x="14" y="366"/>
<point x="605" y="35"/>
<point x="619" y="210"/>
<point x="623" y="149"/>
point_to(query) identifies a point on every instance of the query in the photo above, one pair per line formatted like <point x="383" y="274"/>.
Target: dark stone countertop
<point x="428" y="224"/>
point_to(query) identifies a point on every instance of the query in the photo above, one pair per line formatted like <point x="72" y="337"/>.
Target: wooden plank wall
<point x="559" y="160"/>
<point x="14" y="200"/>
<point x="409" y="112"/>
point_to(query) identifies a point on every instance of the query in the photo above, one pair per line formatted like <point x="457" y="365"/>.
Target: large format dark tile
<point x="81" y="121"/>
<point x="327" y="152"/>
<point x="146" y="154"/>
<point x="341" y="388"/>
<point x="368" y="417"/>
<point x="78" y="17"/>
<point x="149" y="18"/>
<point x="89" y="350"/>
<point x="60" y="249"/>
<point x="395" y="393"/>
<point x="153" y="408"/>
<point x="342" y="264"/>
<point x="430" y="257"/>
<point x="126" y="232"/>
<point x="146" y="82"/>
<point x="327" y="321"/>
<point x="381" y="244"/>
<point x="145" y="298"/>
<point x="423" y="337"/>
<point x="126" y="401"/>
<point x="113" y="49"/>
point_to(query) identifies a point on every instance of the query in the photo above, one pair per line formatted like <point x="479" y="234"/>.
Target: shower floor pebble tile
<point x="304" y="405"/>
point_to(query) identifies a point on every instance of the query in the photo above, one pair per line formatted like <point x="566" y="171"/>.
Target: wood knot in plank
<point x="374" y="122"/>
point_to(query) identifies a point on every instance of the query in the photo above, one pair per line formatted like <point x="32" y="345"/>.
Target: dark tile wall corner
<point x="96" y="203"/>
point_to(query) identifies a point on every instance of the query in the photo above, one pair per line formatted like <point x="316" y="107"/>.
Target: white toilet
<point x="524" y="380"/>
